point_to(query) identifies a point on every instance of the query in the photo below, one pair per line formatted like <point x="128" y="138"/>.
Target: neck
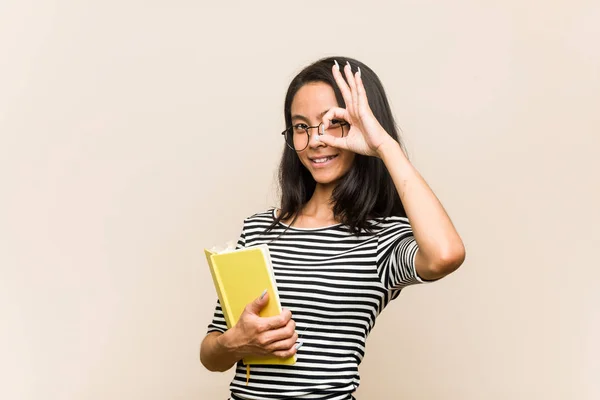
<point x="320" y="205"/>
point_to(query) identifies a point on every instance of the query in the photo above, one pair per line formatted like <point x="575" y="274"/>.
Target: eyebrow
<point x="302" y="117"/>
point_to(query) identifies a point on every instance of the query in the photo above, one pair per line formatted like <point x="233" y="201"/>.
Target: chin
<point x="327" y="180"/>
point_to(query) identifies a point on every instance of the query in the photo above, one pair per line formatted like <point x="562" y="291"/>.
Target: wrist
<point x="226" y="343"/>
<point x="389" y="149"/>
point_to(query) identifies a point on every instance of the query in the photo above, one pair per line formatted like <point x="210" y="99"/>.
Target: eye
<point x="334" y="123"/>
<point x="300" y="128"/>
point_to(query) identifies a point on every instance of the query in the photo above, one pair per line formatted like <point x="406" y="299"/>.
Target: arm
<point x="214" y="355"/>
<point x="441" y="250"/>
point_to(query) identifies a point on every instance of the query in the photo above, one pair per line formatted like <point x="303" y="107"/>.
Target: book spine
<point x="221" y="293"/>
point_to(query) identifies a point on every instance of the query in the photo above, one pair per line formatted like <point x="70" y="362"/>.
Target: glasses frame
<point x="307" y="130"/>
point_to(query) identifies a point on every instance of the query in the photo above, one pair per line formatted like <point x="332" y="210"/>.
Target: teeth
<point x="322" y="160"/>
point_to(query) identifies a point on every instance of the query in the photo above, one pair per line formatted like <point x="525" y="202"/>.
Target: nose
<point x="313" y="136"/>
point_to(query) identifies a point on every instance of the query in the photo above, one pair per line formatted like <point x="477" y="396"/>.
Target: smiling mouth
<point x="322" y="160"/>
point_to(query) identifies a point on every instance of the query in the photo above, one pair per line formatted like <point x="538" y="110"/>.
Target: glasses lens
<point x="336" y="128"/>
<point x="296" y="138"/>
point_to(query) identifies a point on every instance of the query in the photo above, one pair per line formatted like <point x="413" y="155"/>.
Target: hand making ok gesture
<point x="366" y="135"/>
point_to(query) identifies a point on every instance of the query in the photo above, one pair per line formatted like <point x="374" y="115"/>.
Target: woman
<point x="342" y="246"/>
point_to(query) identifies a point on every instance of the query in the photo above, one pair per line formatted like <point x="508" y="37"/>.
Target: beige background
<point x="134" y="133"/>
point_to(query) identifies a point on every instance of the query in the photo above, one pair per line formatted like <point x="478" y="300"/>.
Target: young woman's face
<point x="326" y="164"/>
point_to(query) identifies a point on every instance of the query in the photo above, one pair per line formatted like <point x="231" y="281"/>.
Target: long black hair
<point x="366" y="191"/>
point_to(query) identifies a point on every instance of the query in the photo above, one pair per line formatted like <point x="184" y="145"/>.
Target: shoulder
<point x="257" y="225"/>
<point x="391" y="232"/>
<point x="389" y="224"/>
<point x="262" y="218"/>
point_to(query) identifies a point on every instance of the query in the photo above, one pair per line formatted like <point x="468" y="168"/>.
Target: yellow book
<point x="240" y="276"/>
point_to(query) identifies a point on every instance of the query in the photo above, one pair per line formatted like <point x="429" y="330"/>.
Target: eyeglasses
<point x="297" y="136"/>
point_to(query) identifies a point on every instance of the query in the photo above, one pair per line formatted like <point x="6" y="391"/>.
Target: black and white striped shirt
<point x="335" y="284"/>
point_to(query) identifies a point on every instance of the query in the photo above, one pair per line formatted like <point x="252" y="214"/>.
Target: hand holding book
<point x="259" y="330"/>
<point x="254" y="335"/>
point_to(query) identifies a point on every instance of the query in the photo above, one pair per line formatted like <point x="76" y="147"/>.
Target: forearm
<point x="440" y="247"/>
<point x="215" y="355"/>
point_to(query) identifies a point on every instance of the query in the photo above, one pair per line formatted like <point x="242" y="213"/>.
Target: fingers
<point x="258" y="304"/>
<point x="285" y="333"/>
<point x="337" y="142"/>
<point x="352" y="85"/>
<point x="278" y="321"/>
<point x="281" y="342"/>
<point x="361" y="94"/>
<point x="335" y="113"/>
<point x="344" y="88"/>
<point x="289" y="352"/>
<point x="353" y="90"/>
<point x="285" y="344"/>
